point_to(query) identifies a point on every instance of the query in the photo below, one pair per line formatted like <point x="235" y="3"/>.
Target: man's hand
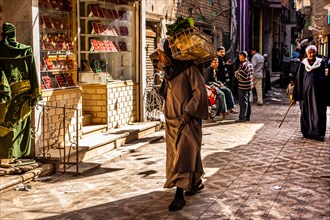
<point x="293" y="102"/>
<point x="185" y="118"/>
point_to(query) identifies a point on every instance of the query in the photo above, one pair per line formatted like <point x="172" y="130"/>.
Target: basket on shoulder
<point x="189" y="43"/>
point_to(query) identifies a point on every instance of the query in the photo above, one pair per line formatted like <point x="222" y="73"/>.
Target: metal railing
<point x="153" y="101"/>
<point x="53" y="132"/>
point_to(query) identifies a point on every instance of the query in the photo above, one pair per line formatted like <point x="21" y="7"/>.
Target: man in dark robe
<point x="186" y="104"/>
<point x="311" y="91"/>
<point x="19" y="92"/>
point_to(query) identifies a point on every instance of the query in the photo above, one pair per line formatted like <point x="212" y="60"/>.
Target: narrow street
<point x="253" y="170"/>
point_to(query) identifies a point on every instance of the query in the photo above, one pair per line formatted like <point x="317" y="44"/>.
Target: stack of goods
<point x="58" y="5"/>
<point x="71" y="61"/>
<point x="123" y="30"/>
<point x="60" y="81"/>
<point x="51" y="63"/>
<point x="61" y="60"/>
<point x="56" y="42"/>
<point x="103" y="29"/>
<point x="69" y="80"/>
<point x="188" y="43"/>
<point x="103" y="45"/>
<point x="101" y="12"/>
<point x="47" y="82"/>
<point x="122" y="46"/>
<point x="56" y="22"/>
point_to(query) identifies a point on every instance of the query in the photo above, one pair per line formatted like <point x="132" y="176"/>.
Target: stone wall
<point x="50" y="122"/>
<point x="114" y="104"/>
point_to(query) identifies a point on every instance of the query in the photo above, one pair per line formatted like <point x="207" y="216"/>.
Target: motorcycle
<point x="212" y="100"/>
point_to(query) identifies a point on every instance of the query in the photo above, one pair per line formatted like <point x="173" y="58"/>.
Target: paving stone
<point x="243" y="163"/>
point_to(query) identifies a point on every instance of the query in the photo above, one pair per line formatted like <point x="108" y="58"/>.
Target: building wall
<point x="319" y="20"/>
<point x="1" y="14"/>
<point x="213" y="16"/>
<point x="50" y="122"/>
<point x="112" y="104"/>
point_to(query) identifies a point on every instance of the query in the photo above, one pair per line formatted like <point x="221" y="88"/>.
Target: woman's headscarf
<point x="176" y="66"/>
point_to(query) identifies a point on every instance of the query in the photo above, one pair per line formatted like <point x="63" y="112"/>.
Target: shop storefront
<point x="87" y="56"/>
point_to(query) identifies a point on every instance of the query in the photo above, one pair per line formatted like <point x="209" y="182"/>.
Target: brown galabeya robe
<point x="186" y="92"/>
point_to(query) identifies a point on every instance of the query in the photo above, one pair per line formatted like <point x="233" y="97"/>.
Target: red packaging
<point x="47" y="81"/>
<point x="93" y="9"/>
<point x="122" y="46"/>
<point x="123" y="30"/>
<point x="60" y="80"/>
<point x="69" y="80"/>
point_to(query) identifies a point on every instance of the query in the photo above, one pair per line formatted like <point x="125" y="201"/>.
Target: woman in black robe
<point x="311" y="92"/>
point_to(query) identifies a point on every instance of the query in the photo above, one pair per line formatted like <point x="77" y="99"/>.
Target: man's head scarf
<point x="311" y="47"/>
<point x="317" y="62"/>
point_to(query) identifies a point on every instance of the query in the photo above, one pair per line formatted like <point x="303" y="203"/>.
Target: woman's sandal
<point x="195" y="189"/>
<point x="177" y="204"/>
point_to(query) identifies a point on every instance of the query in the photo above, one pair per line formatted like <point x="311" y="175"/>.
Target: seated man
<point x="224" y="94"/>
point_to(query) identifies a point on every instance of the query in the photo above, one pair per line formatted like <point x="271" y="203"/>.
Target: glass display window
<point x="58" y="67"/>
<point x="106" y="40"/>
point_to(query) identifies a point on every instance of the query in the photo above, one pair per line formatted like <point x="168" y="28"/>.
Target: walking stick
<point x="291" y="104"/>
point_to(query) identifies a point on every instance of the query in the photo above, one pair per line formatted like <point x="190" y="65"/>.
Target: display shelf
<point x="107" y="33"/>
<point x="104" y="35"/>
<point x="57" y="47"/>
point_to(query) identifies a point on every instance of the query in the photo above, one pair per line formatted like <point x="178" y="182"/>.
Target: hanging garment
<point x="19" y="93"/>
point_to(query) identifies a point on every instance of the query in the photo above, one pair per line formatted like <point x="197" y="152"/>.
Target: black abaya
<point x="311" y="92"/>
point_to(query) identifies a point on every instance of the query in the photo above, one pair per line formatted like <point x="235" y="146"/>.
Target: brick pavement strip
<point x="253" y="170"/>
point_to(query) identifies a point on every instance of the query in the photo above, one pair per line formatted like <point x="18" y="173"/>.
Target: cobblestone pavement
<point x="253" y="170"/>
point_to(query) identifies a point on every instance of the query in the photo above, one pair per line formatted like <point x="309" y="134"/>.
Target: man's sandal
<point x="177" y="204"/>
<point x="195" y="189"/>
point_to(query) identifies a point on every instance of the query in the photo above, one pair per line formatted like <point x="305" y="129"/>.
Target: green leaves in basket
<point x="181" y="24"/>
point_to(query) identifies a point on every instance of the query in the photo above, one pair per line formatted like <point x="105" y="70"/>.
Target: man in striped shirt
<point x="244" y="76"/>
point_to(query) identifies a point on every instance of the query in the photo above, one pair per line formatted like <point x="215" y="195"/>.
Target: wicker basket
<point x="191" y="44"/>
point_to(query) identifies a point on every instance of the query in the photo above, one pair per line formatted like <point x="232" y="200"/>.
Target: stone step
<point x="92" y="129"/>
<point x="87" y="119"/>
<point x="99" y="143"/>
<point x="114" y="155"/>
<point x="100" y="148"/>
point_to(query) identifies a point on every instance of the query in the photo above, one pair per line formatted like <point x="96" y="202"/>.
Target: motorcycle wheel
<point x="212" y="113"/>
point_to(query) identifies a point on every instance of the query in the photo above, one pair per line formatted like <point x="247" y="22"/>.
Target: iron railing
<point x="153" y="101"/>
<point x="53" y="132"/>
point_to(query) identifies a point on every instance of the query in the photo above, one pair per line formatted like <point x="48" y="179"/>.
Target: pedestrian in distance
<point x="186" y="104"/>
<point x="244" y="77"/>
<point x="257" y="61"/>
<point x="222" y="71"/>
<point x="289" y="89"/>
<point x="311" y="92"/>
<point x="267" y="85"/>
<point x="224" y="95"/>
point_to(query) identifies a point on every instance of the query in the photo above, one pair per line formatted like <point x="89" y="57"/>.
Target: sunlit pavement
<point x="253" y="170"/>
